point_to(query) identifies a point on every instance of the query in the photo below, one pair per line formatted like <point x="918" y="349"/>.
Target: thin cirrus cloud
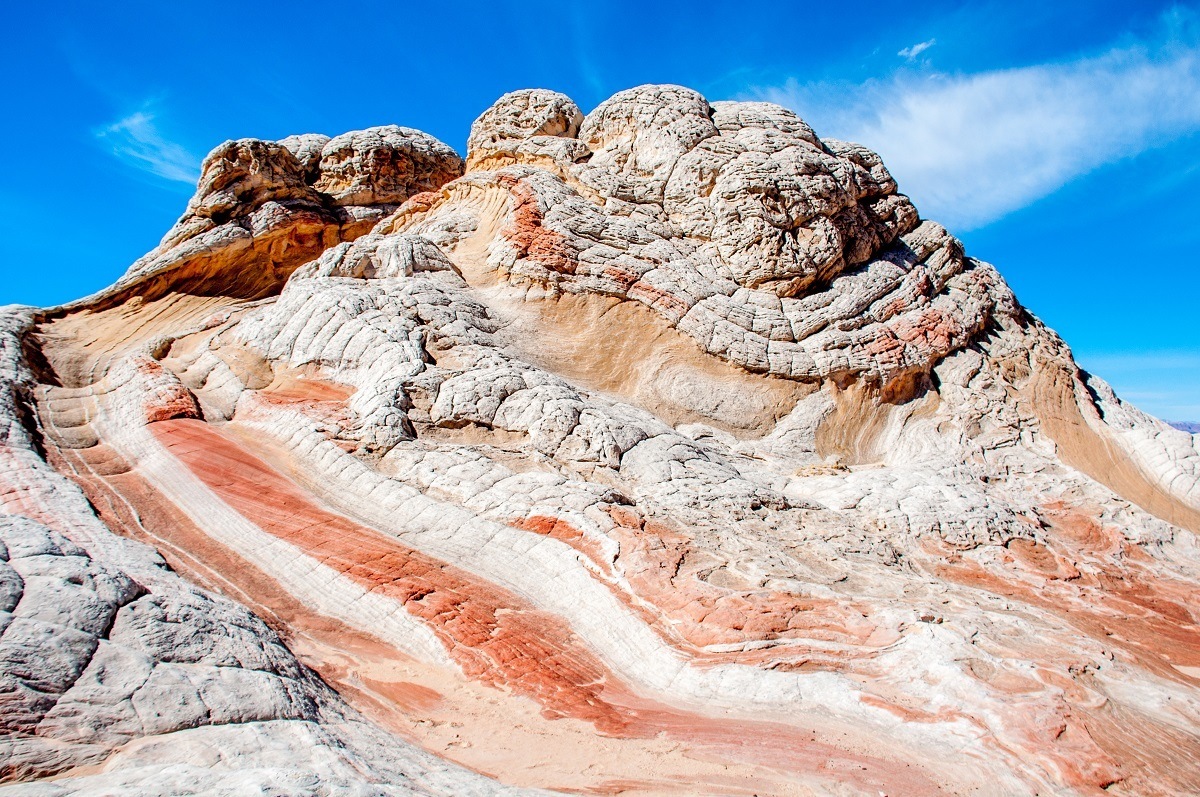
<point x="971" y="148"/>
<point x="912" y="52"/>
<point x="137" y="141"/>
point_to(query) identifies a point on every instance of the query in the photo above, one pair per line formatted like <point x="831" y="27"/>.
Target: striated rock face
<point x="659" y="450"/>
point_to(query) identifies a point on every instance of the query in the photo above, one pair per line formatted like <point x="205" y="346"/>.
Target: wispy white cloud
<point x="970" y="148"/>
<point x="912" y="52"/>
<point x="137" y="141"/>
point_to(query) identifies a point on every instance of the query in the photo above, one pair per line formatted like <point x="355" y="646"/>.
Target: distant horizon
<point x="1072" y="162"/>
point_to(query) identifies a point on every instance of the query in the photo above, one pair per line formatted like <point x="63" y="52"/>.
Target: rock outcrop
<point x="262" y="208"/>
<point x="664" y="449"/>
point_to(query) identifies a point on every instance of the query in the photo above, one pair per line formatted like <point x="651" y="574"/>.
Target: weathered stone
<point x="670" y="433"/>
<point x="530" y="125"/>
<point x="384" y="165"/>
<point x="307" y="148"/>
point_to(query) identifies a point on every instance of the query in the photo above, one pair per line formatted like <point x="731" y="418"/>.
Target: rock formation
<point x="664" y="449"/>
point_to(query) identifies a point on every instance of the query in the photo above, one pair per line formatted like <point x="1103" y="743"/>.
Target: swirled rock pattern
<point x="660" y="450"/>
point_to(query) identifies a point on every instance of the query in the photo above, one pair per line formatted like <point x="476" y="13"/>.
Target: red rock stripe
<point x="490" y="633"/>
<point x="691" y="614"/>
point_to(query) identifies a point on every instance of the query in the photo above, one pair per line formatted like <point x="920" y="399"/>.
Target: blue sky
<point x="1060" y="141"/>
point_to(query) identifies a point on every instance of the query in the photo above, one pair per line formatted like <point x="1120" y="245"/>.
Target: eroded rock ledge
<point x="262" y="208"/>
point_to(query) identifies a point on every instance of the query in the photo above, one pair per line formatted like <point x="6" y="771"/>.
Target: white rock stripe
<point x="548" y="573"/>
<point x="306" y="579"/>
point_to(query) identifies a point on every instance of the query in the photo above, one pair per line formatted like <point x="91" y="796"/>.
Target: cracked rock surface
<point x="664" y="449"/>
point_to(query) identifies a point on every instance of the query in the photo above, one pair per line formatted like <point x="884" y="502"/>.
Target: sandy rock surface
<point x="661" y="450"/>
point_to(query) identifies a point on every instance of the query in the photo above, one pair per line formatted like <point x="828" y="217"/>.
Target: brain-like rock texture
<point x="525" y="126"/>
<point x="384" y="165"/>
<point x="659" y="450"/>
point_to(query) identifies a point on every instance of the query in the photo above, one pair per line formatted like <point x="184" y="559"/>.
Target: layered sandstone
<point x="664" y="449"/>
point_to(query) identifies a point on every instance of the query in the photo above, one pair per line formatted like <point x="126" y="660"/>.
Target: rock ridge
<point x="660" y="449"/>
